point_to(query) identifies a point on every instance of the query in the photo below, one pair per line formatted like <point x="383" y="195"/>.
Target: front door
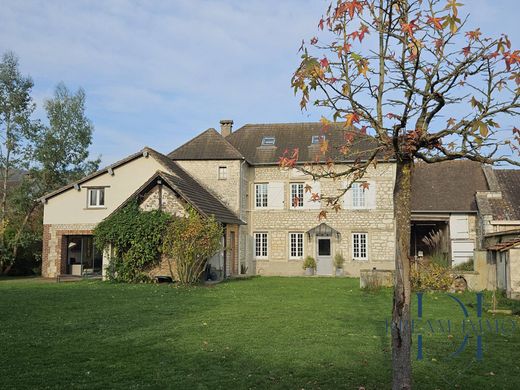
<point x="324" y="257"/>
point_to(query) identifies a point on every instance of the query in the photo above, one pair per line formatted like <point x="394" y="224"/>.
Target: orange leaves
<point x="288" y="160"/>
<point x="349" y="7"/>
<point x="322" y="215"/>
<point x="365" y="185"/>
<point x="451" y="122"/>
<point x="360" y="34"/>
<point x="435" y="22"/>
<point x="409" y="28"/>
<point x="352" y="118"/>
<point x="466" y="51"/>
<point x="474" y="35"/>
<point x="511" y="58"/>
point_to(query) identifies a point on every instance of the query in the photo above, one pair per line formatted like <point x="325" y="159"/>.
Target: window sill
<point x="95" y="208"/>
<point x="363" y="259"/>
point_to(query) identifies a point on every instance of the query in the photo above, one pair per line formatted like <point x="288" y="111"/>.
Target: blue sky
<point x="158" y="73"/>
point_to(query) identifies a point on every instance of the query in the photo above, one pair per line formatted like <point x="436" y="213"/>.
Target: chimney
<point x="226" y="127"/>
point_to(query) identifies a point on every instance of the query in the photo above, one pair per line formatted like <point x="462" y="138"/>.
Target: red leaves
<point x="352" y="118"/>
<point x="314" y="40"/>
<point x="364" y="185"/>
<point x="360" y="34"/>
<point x="466" y="51"/>
<point x="516" y="131"/>
<point x="324" y="62"/>
<point x="320" y="24"/>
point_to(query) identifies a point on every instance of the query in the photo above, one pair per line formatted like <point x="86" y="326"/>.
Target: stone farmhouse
<point x="271" y="214"/>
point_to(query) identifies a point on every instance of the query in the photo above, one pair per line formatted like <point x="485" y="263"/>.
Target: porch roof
<point x="323" y="230"/>
<point x="503" y="246"/>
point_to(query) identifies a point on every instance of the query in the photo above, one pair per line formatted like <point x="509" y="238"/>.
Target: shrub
<point x="309" y="262"/>
<point x="466" y="266"/>
<point x="339" y="260"/>
<point x="431" y="277"/>
<point x="189" y="242"/>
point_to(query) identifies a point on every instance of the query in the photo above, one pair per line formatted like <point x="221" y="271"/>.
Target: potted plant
<point x="339" y="260"/>
<point x="309" y="265"/>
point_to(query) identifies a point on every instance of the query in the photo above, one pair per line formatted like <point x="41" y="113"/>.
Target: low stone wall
<point x="375" y="278"/>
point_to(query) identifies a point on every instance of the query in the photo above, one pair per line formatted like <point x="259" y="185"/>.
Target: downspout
<point x="242" y="204"/>
<point x="225" y="252"/>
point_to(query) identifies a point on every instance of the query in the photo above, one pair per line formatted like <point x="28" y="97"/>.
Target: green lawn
<point x="262" y="333"/>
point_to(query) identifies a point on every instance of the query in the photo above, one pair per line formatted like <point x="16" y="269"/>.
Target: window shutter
<point x="370" y="195"/>
<point x="459" y="228"/>
<point x="308" y="203"/>
<point x="275" y="195"/>
<point x="347" y="197"/>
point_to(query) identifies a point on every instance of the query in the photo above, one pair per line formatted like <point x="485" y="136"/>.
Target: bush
<point x="431" y="277"/>
<point x="309" y="262"/>
<point x="339" y="260"/>
<point x="466" y="266"/>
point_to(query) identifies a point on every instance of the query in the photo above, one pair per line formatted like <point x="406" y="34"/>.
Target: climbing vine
<point x="135" y="239"/>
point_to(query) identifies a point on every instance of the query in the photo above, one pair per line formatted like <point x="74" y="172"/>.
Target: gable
<point x="209" y="145"/>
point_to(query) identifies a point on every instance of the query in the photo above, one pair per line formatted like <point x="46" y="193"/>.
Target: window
<point x="268" y="141"/>
<point x="260" y="245"/>
<point x="359" y="246"/>
<point x="96" y="197"/>
<point x="261" y="195"/>
<point x="316" y="139"/>
<point x="296" y="195"/>
<point x="222" y="173"/>
<point x="295" y="245"/>
<point x="358" y="195"/>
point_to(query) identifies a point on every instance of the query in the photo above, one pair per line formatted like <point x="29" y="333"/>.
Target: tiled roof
<point x="289" y="136"/>
<point x="447" y="186"/>
<point x="509" y="184"/>
<point x="209" y="145"/>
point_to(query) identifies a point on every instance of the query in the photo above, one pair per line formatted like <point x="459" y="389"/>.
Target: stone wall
<point x="171" y="203"/>
<point x="54" y="252"/>
<point x="377" y="222"/>
<point x="514" y="274"/>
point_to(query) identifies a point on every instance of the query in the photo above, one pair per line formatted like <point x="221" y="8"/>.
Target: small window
<point x="222" y="173"/>
<point x="268" y="141"/>
<point x="359" y="246"/>
<point x="260" y="245"/>
<point x="316" y="139"/>
<point x="296" y="195"/>
<point x="96" y="197"/>
<point x="295" y="245"/>
<point x="358" y="195"/>
<point x="261" y="195"/>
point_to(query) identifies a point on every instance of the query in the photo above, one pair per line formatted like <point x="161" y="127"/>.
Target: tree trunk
<point x="401" y="324"/>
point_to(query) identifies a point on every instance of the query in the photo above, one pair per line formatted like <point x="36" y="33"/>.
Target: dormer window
<point x="316" y="139"/>
<point x="268" y="141"/>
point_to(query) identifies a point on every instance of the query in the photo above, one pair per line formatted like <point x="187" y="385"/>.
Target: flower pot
<point x="339" y="271"/>
<point x="309" y="271"/>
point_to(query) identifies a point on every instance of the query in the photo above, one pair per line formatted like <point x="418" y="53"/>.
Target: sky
<point x="157" y="73"/>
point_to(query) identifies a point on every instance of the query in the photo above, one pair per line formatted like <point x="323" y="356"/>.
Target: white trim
<point x="266" y="193"/>
<point x="303" y="246"/>
<point x="255" y="234"/>
<point x="358" y="258"/>
<point x="97" y="205"/>
<point x="300" y="198"/>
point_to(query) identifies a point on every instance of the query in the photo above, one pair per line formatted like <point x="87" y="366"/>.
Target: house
<point x="270" y="216"/>
<point x="499" y="209"/>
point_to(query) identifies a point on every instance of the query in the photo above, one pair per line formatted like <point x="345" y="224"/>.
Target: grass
<point x="262" y="333"/>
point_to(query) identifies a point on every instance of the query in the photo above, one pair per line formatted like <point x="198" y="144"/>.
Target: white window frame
<point x="261" y="196"/>
<point x="357" y="252"/>
<point x="261" y="247"/>
<point x="316" y="139"/>
<point x="297" y="190"/>
<point x="296" y="238"/>
<point x="359" y="196"/>
<point x="97" y="204"/>
<point x="268" y="141"/>
<point x="222" y="172"/>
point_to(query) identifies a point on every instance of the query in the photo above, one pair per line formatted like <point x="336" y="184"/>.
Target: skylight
<point x="268" y="141"/>
<point x="316" y="139"/>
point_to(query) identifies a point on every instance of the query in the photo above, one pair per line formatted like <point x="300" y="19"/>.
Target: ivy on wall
<point x="135" y="238"/>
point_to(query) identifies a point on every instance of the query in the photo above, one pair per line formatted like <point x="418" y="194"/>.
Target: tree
<point x="422" y="87"/>
<point x="49" y="156"/>
<point x="188" y="244"/>
<point x="17" y="135"/>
